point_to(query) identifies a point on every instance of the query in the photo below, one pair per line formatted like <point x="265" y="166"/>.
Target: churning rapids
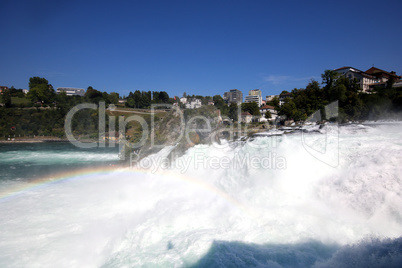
<point x="329" y="199"/>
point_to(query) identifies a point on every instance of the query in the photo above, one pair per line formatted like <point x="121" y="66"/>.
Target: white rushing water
<point x="277" y="201"/>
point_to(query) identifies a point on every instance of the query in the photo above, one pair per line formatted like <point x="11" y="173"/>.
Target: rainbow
<point x="21" y="188"/>
<point x="82" y="174"/>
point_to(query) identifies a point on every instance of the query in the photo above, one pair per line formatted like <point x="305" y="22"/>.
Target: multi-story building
<point x="254" y="96"/>
<point x="364" y="79"/>
<point x="233" y="96"/>
<point x="369" y="79"/>
<point x="383" y="77"/>
<point x="70" y="91"/>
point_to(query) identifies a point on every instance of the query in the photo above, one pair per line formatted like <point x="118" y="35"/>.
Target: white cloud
<point x="277" y="79"/>
<point x="285" y="79"/>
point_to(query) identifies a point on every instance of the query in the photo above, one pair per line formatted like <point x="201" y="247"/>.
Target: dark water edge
<point x="370" y="252"/>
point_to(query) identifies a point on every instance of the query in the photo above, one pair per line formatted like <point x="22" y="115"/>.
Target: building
<point x="254" y="96"/>
<point x="271" y="109"/>
<point x="246" y="117"/>
<point x="193" y="104"/>
<point x="211" y="102"/>
<point x="70" y="91"/>
<point x="363" y="79"/>
<point x="383" y="77"/>
<point x="255" y="99"/>
<point x="25" y="91"/>
<point x="368" y="80"/>
<point x="255" y="92"/>
<point x="397" y="84"/>
<point x="267" y="108"/>
<point x="270" y="98"/>
<point x="233" y="96"/>
<point x="183" y="100"/>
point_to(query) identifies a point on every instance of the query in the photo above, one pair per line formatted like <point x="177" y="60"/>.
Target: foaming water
<point x="268" y="202"/>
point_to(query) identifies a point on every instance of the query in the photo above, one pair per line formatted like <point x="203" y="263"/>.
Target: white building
<point x="183" y="100"/>
<point x="193" y="104"/>
<point x="254" y="96"/>
<point x="271" y="109"/>
<point x="246" y="117"/>
<point x="364" y="79"/>
<point x="383" y="77"/>
<point x="70" y="91"/>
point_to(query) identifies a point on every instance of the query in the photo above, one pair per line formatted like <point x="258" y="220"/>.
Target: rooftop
<point x="268" y="107"/>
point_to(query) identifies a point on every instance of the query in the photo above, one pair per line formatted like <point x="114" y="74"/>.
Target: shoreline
<point x="39" y="140"/>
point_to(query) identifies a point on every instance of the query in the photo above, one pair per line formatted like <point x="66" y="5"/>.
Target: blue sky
<point x="198" y="47"/>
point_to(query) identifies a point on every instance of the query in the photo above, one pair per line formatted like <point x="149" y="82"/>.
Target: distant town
<point x="349" y="85"/>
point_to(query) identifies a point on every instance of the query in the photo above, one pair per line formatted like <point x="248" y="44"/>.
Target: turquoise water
<point x="30" y="161"/>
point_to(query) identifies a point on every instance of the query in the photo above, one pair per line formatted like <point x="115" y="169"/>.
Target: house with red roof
<point x="368" y="80"/>
<point x="364" y="79"/>
<point x="246" y="117"/>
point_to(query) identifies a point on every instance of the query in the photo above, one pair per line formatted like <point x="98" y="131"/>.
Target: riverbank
<point x="39" y="140"/>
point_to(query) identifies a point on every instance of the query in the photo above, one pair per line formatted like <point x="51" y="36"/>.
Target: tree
<point x="275" y="103"/>
<point x="35" y="81"/>
<point x="114" y="98"/>
<point x="93" y="95"/>
<point x="155" y="97"/>
<point x="40" y="93"/>
<point x="220" y="104"/>
<point x="163" y="97"/>
<point x="251" y="107"/>
<point x="130" y="103"/>
<point x="7" y="98"/>
<point x="40" y="90"/>
<point x="268" y="115"/>
<point x="233" y="114"/>
<point x="137" y="98"/>
<point x="16" y="92"/>
<point x="105" y="97"/>
<point x="329" y="77"/>
<point x="290" y="110"/>
<point x="146" y="98"/>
